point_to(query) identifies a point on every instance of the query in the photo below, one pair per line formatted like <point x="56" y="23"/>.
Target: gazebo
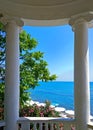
<point x="79" y="14"/>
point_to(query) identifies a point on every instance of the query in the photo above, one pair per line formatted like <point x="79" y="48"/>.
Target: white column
<point x="12" y="76"/>
<point x="81" y="75"/>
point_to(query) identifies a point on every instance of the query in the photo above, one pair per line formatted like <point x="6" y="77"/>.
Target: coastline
<point x="63" y="112"/>
<point x="58" y="93"/>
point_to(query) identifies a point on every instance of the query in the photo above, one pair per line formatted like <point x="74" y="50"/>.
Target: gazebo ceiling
<point x="46" y="10"/>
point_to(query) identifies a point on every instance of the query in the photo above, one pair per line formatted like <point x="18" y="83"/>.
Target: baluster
<point x="35" y="128"/>
<point x="40" y="126"/>
<point x="72" y="127"/>
<point x="46" y="126"/>
<point x="58" y="126"/>
<point x="25" y="126"/>
<point x="51" y="126"/>
<point x="67" y="127"/>
<point x="61" y="126"/>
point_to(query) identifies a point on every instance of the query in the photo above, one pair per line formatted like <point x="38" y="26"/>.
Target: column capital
<point x="81" y="18"/>
<point x="6" y="19"/>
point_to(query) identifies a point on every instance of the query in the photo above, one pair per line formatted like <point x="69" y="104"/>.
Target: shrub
<point x="38" y="111"/>
<point x="34" y="111"/>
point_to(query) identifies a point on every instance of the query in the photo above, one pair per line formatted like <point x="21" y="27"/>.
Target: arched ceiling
<point x="45" y="11"/>
<point x="42" y="2"/>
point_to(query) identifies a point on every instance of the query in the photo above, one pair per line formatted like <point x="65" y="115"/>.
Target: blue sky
<point x="57" y="43"/>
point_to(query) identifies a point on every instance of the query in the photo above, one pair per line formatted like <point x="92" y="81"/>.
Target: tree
<point x="32" y="66"/>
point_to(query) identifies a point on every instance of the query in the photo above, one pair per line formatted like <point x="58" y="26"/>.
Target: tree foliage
<point x="33" y="67"/>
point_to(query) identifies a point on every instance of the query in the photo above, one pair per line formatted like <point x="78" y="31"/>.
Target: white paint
<point x="81" y="75"/>
<point x="12" y="76"/>
<point x="47" y="120"/>
<point x="44" y="10"/>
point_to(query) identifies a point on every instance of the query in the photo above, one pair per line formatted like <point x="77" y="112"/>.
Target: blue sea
<point x="58" y="93"/>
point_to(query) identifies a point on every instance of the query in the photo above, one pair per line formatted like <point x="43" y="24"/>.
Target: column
<point x="12" y="76"/>
<point x="81" y="74"/>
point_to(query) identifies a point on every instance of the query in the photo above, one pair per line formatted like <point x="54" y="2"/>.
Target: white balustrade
<point x="41" y="126"/>
<point x="51" y="126"/>
<point x="90" y="126"/>
<point x="2" y="123"/>
<point x="25" y="126"/>
<point x="46" y="123"/>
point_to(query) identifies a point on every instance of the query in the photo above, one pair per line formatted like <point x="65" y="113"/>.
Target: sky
<point x="57" y="43"/>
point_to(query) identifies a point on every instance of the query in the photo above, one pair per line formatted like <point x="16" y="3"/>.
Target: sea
<point x="58" y="93"/>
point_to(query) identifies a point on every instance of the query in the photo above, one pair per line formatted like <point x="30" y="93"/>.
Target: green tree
<point x="32" y="66"/>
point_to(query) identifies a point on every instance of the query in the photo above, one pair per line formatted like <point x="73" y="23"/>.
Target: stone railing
<point x="90" y="126"/>
<point x="2" y="124"/>
<point x="45" y="123"/>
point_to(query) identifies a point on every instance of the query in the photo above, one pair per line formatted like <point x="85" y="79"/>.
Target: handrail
<point x="2" y="123"/>
<point x="44" y="119"/>
<point x="90" y="125"/>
